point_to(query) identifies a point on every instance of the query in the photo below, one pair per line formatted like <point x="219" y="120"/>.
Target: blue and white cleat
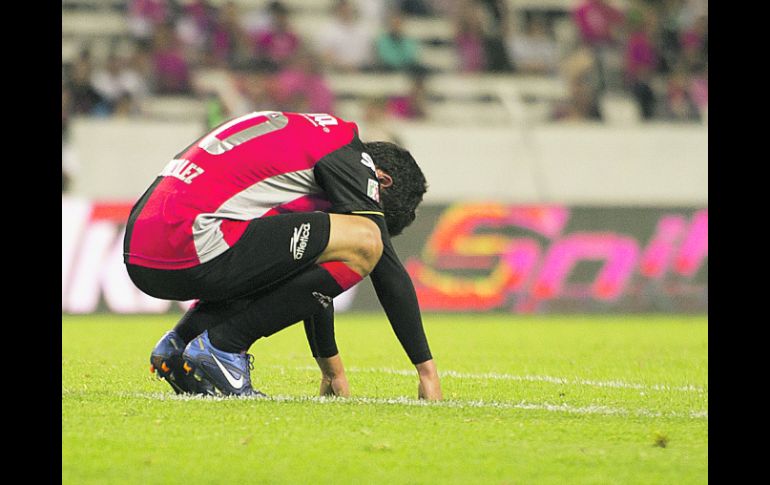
<point x="166" y="361"/>
<point x="227" y="371"/>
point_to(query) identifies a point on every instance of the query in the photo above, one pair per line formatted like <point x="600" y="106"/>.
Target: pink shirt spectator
<point x="145" y="15"/>
<point x="171" y="71"/>
<point x="470" y="49"/>
<point x="276" y="46"/>
<point x="154" y="11"/>
<point x="222" y="44"/>
<point x="641" y="57"/>
<point x="202" y="14"/>
<point x="691" y="39"/>
<point x="595" y="20"/>
<point x="293" y="83"/>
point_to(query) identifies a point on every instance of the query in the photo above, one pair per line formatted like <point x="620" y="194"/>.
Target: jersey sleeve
<point x="347" y="176"/>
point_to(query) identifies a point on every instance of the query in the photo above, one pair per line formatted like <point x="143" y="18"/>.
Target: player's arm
<point x="349" y="183"/>
<point x="396" y="294"/>
<point x="319" y="330"/>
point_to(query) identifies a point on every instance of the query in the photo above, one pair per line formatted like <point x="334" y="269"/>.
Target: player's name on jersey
<point x="182" y="169"/>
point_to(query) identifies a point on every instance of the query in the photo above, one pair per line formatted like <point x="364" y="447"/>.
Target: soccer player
<point x="264" y="221"/>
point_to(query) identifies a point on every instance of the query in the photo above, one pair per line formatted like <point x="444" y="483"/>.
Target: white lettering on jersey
<point x="321" y="119"/>
<point x="182" y="169"/>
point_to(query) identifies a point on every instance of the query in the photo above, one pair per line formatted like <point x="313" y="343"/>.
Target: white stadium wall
<point x="569" y="164"/>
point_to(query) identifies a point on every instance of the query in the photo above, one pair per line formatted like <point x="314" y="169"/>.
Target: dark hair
<point x="401" y="199"/>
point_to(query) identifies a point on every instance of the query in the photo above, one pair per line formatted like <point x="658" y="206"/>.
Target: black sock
<point x="295" y="300"/>
<point x="205" y="315"/>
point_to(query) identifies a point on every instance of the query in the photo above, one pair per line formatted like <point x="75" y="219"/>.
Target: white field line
<point x="525" y="378"/>
<point x="459" y="404"/>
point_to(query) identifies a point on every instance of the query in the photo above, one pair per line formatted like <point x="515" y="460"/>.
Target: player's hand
<point x="334" y="386"/>
<point x="333" y="379"/>
<point x="429" y="387"/>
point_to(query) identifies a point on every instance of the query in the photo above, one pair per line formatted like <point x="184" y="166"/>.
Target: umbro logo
<point x="299" y="240"/>
<point x="366" y="159"/>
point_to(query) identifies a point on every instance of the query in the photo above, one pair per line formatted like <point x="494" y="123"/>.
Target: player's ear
<point x="384" y="179"/>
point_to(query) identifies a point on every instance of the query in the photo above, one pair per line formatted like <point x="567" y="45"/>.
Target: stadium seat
<point x="96" y="23"/>
<point x="173" y="108"/>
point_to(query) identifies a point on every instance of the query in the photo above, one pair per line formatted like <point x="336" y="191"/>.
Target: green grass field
<point x="528" y="400"/>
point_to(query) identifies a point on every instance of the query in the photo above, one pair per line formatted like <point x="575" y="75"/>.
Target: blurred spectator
<point x="469" y="38"/>
<point x="598" y="22"/>
<point x="694" y="44"/>
<point x="691" y="10"/>
<point x="229" y="41"/>
<point x="583" y="104"/>
<point x="66" y="109"/>
<point x="579" y="70"/>
<point x="140" y="66"/>
<point x="495" y="32"/>
<point x="276" y="43"/>
<point x="394" y="50"/>
<point x="599" y="25"/>
<point x="642" y="61"/>
<point x="345" y="42"/>
<point x="144" y="16"/>
<point x="84" y="99"/>
<point x="301" y="86"/>
<point x="680" y="104"/>
<point x="668" y="35"/>
<point x="699" y="91"/>
<point x="116" y="79"/>
<point x="172" y="72"/>
<point x="535" y="51"/>
<point x="580" y="64"/>
<point x="195" y="27"/>
<point x="125" y="106"/>
<point x="411" y="106"/>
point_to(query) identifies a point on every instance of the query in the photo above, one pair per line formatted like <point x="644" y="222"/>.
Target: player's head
<point x="403" y="183"/>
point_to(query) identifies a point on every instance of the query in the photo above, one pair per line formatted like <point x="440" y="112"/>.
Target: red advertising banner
<point x="468" y="257"/>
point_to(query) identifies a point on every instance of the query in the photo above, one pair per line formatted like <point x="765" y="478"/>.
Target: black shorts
<point x="270" y="251"/>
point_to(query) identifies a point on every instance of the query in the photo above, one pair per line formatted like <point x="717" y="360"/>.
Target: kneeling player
<point x="265" y="220"/>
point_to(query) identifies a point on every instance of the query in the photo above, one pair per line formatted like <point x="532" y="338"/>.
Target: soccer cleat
<point x="227" y="371"/>
<point x="166" y="361"/>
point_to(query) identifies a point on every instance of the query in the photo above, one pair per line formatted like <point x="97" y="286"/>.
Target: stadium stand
<point x="652" y="68"/>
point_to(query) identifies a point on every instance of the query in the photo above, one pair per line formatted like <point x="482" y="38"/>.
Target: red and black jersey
<point x="258" y="165"/>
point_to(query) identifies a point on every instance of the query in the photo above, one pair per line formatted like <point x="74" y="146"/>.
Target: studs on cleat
<point x="187" y="368"/>
<point x="152" y="369"/>
<point x="164" y="367"/>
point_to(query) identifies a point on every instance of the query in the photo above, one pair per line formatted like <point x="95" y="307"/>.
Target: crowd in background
<point x="655" y="51"/>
